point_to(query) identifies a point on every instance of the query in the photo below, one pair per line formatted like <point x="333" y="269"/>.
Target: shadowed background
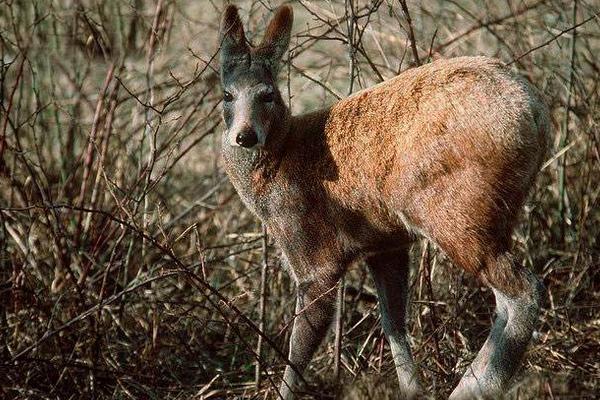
<point x="129" y="267"/>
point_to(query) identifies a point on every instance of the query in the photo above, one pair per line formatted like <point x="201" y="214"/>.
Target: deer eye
<point x="267" y="97"/>
<point x="227" y="97"/>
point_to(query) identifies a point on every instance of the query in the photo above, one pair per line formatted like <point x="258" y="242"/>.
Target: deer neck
<point x="252" y="171"/>
<point x="255" y="172"/>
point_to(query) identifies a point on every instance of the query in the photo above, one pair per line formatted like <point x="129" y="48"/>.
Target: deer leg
<point x="518" y="299"/>
<point x="390" y="272"/>
<point x="315" y="305"/>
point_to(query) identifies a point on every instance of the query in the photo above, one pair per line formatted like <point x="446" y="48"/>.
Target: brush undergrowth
<point x="130" y="269"/>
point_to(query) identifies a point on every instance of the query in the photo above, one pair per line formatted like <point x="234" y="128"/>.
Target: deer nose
<point x="247" y="138"/>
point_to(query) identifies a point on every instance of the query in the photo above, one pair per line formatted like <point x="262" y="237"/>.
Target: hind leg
<point x="390" y="272"/>
<point x="518" y="299"/>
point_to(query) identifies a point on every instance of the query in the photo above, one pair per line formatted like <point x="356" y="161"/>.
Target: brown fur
<point x="454" y="146"/>
<point x="448" y="150"/>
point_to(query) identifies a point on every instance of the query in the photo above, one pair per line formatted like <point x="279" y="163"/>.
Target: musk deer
<point x="448" y="150"/>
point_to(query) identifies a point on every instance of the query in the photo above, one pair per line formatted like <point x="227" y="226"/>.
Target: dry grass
<point x="130" y="269"/>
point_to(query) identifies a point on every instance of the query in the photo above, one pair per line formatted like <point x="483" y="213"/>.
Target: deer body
<point x="448" y="150"/>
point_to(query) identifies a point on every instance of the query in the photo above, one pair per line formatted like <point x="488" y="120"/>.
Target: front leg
<point x="315" y="306"/>
<point x="390" y="272"/>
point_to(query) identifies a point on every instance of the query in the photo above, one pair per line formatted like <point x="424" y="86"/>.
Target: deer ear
<point x="277" y="38"/>
<point x="234" y="49"/>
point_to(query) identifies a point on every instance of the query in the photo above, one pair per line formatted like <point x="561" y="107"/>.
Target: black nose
<point x="246" y="139"/>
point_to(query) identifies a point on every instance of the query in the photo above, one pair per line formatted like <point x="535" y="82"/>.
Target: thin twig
<point x="562" y="190"/>
<point x="553" y="38"/>
<point x="261" y="306"/>
<point x="411" y="33"/>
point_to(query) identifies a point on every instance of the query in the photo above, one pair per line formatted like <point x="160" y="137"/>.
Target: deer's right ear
<point x="234" y="49"/>
<point x="277" y="37"/>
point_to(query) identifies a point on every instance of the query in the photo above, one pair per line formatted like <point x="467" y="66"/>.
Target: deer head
<point x="253" y="109"/>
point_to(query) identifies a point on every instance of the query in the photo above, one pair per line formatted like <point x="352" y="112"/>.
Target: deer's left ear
<point x="277" y="38"/>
